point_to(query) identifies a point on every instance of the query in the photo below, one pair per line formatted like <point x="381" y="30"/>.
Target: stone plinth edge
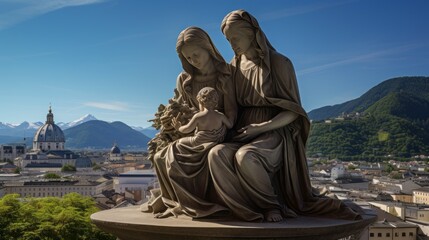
<point x="131" y="224"/>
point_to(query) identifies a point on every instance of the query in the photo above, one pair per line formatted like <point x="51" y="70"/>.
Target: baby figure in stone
<point x="210" y="124"/>
<point x="210" y="128"/>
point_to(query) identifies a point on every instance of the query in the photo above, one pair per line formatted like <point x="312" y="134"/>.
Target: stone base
<point x="131" y="224"/>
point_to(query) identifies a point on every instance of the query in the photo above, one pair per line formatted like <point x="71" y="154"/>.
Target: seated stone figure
<point x="181" y="166"/>
<point x="262" y="173"/>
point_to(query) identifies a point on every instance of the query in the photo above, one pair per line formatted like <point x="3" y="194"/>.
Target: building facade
<point x="137" y="180"/>
<point x="385" y="230"/>
<point x="49" y="136"/>
<point x="115" y="154"/>
<point x="135" y="157"/>
<point x="48" y="149"/>
<point x="56" y="188"/>
<point x="421" y="195"/>
<point x="405" y="198"/>
<point x="8" y="152"/>
<point x="417" y="213"/>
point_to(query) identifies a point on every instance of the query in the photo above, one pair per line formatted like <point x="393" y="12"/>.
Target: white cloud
<point x="115" y="106"/>
<point x="24" y="10"/>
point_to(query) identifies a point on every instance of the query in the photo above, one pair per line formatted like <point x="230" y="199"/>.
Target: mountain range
<point x="85" y="132"/>
<point x="389" y="120"/>
<point x="96" y="134"/>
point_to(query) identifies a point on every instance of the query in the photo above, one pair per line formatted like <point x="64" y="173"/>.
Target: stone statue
<point x="181" y="165"/>
<point x="162" y="122"/>
<point x="256" y="171"/>
<point x="210" y="124"/>
<point x="262" y="173"/>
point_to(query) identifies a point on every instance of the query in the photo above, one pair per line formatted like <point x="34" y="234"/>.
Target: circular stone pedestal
<point x="131" y="224"/>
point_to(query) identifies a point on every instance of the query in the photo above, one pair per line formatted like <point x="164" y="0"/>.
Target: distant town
<point x="398" y="191"/>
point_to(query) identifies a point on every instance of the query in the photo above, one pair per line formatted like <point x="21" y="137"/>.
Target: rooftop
<point x="398" y="224"/>
<point x="423" y="189"/>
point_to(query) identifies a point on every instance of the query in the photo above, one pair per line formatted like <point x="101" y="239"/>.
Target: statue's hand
<point x="165" y="120"/>
<point x="175" y="122"/>
<point x="249" y="132"/>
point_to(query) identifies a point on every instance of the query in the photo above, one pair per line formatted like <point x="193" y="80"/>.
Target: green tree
<point x="68" y="168"/>
<point x="389" y="168"/>
<point x="49" y="218"/>
<point x="351" y="167"/>
<point x="96" y="167"/>
<point x="51" y="176"/>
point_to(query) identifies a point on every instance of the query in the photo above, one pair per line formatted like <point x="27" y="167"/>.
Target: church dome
<point x="49" y="132"/>
<point x="115" y="150"/>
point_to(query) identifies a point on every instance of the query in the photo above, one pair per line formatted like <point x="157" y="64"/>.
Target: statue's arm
<point x="252" y="130"/>
<point x="191" y="125"/>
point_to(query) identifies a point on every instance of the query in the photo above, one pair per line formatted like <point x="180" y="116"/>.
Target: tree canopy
<point x="49" y="218"/>
<point x="68" y="168"/>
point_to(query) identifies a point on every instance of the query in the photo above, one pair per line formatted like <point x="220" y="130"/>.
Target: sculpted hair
<point x="208" y="97"/>
<point x="198" y="37"/>
<point x="250" y="27"/>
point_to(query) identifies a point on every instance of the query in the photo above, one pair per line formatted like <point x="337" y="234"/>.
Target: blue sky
<point x="116" y="59"/>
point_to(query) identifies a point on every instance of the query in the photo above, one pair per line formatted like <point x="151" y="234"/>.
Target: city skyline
<point x="117" y="60"/>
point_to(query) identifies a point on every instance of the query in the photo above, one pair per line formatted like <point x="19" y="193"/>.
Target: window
<point x="411" y="234"/>
<point x="403" y="234"/>
<point x="396" y="234"/>
<point x="379" y="235"/>
<point x="387" y="234"/>
<point x="371" y="234"/>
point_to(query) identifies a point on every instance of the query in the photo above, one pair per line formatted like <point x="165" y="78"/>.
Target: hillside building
<point x="139" y="181"/>
<point x="393" y="230"/>
<point x="338" y="172"/>
<point x="392" y="186"/>
<point x="405" y="198"/>
<point x="49" y="136"/>
<point x="56" y="188"/>
<point x="8" y="152"/>
<point x="135" y="157"/>
<point x="6" y="167"/>
<point x="421" y="195"/>
<point x="115" y="154"/>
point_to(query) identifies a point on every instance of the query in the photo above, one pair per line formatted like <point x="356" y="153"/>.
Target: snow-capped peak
<point x="28" y="125"/>
<point x="86" y="118"/>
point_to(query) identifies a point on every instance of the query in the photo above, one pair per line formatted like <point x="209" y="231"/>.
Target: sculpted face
<point x="196" y="56"/>
<point x="239" y="38"/>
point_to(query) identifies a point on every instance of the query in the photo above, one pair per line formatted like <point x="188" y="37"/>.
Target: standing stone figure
<point x="182" y="168"/>
<point x="262" y="173"/>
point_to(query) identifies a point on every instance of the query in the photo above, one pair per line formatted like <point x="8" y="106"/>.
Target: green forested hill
<point x="403" y="105"/>
<point x="394" y="123"/>
<point x="416" y="86"/>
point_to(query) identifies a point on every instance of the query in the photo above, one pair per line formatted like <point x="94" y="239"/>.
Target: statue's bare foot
<point x="273" y="216"/>
<point x="170" y="212"/>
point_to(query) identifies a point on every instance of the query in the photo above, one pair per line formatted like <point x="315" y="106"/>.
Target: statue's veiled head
<point x="193" y="37"/>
